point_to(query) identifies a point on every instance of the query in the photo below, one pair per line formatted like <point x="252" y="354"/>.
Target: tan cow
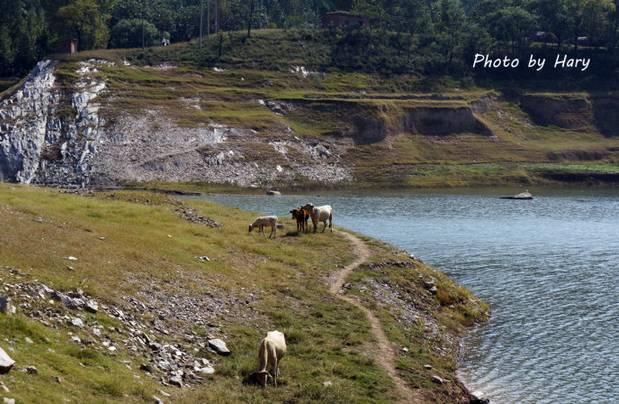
<point x="270" y="352"/>
<point x="319" y="214"/>
<point x="265" y="221"/>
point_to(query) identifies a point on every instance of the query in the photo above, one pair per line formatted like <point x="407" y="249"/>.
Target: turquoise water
<point x="548" y="267"/>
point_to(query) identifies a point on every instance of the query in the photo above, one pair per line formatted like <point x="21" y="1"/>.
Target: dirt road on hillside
<point x="384" y="355"/>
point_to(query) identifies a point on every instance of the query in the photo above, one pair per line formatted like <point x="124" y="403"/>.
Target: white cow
<point x="264" y="221"/>
<point x="320" y="214"/>
<point x="270" y="352"/>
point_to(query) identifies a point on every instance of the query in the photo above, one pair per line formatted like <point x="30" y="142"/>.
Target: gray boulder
<point x="219" y="346"/>
<point x="6" y="363"/>
<point x="6" y="306"/>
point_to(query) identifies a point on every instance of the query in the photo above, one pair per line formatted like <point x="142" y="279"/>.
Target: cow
<point x="271" y="350"/>
<point x="320" y="214"/>
<point x="301" y="217"/>
<point x="264" y="221"/>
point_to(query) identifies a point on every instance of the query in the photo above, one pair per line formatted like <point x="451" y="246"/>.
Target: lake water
<point x="549" y="269"/>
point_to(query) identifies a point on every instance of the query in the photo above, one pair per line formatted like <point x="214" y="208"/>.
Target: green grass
<point x="144" y="239"/>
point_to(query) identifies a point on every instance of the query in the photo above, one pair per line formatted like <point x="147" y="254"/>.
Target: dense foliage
<point x="404" y="35"/>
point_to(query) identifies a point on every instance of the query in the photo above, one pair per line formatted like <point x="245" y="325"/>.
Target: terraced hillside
<point x="183" y="114"/>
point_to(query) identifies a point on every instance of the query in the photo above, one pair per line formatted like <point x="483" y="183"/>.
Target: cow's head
<point x="295" y="213"/>
<point x="250" y="228"/>
<point x="263" y="377"/>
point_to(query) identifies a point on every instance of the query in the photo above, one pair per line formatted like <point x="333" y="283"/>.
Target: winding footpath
<point x="385" y="355"/>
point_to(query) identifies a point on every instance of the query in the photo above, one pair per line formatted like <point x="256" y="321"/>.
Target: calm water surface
<point x="548" y="267"/>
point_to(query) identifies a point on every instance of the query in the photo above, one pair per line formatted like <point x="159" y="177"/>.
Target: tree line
<point x="427" y="35"/>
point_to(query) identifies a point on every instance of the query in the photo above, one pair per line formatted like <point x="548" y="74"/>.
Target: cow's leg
<point x="273" y="231"/>
<point x="331" y="222"/>
<point x="324" y="226"/>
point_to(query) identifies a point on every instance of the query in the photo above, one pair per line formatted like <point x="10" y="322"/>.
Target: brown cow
<point x="301" y="216"/>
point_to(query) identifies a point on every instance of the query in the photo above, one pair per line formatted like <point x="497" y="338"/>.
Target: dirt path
<point x="385" y="354"/>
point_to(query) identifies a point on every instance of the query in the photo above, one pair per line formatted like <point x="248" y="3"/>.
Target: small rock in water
<point x="437" y="379"/>
<point x="477" y="398"/>
<point x="6" y="363"/>
<point x="219" y="346"/>
<point x="32" y="370"/>
<point x="273" y="192"/>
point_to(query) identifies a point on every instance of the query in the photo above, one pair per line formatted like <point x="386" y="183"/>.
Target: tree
<point x="512" y="25"/>
<point x="83" y="18"/>
<point x="128" y="33"/>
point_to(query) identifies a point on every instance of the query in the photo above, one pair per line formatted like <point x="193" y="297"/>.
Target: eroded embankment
<point x="578" y="112"/>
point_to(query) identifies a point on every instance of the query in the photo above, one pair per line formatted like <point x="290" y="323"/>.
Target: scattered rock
<point x="327" y="383"/>
<point x="203" y="258"/>
<point x="76" y="339"/>
<point x="91" y="306"/>
<point x="58" y="379"/>
<point x="437" y="379"/>
<point x="6" y="363"/>
<point x="190" y="215"/>
<point x="433" y="290"/>
<point x="4" y="388"/>
<point x="390" y="264"/>
<point x="427" y="366"/>
<point x="177" y="378"/>
<point x="207" y="370"/>
<point x="405" y="349"/>
<point x="157" y="400"/>
<point x="77" y="322"/>
<point x="6" y="307"/>
<point x="28" y="340"/>
<point x="32" y="370"/>
<point x="8" y="400"/>
<point x="219" y="346"/>
<point x="70" y="258"/>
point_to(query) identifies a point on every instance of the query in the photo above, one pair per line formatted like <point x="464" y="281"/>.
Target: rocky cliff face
<point x="57" y="134"/>
<point x="48" y="135"/>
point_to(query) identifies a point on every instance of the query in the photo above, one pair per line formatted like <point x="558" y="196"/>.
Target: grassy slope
<point x="328" y="341"/>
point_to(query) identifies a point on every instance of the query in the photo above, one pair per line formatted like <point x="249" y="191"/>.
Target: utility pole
<point x="201" y="20"/>
<point x="251" y="16"/>
<point x="208" y="17"/>
<point x="216" y="16"/>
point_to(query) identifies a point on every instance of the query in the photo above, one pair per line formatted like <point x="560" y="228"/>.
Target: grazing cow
<point x="270" y="352"/>
<point x="302" y="216"/>
<point x="320" y="214"/>
<point x="264" y="221"/>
